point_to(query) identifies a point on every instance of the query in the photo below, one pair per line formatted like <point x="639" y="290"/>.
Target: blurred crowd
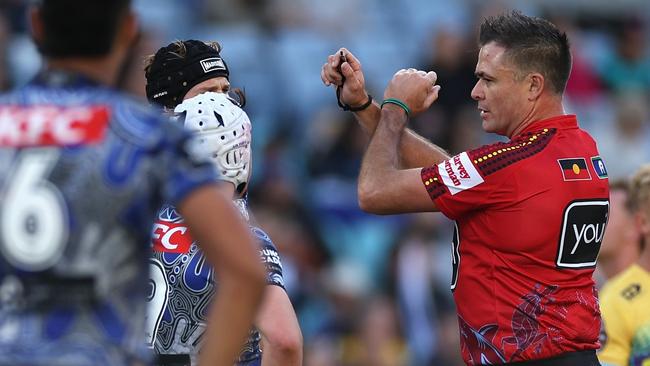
<point x="373" y="290"/>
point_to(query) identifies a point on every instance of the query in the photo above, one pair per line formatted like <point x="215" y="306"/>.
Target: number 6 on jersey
<point x="33" y="215"/>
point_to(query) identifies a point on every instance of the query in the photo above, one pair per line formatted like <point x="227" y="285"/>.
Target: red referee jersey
<point x="530" y="216"/>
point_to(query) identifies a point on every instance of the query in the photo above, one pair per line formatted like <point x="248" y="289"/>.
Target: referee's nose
<point x="477" y="91"/>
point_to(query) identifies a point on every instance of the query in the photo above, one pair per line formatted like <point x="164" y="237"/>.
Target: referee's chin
<point x="489" y="126"/>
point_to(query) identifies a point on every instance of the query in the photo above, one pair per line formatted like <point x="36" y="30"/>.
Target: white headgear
<point x="223" y="131"/>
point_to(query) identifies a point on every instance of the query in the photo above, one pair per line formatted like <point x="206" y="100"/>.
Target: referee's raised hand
<point x="343" y="70"/>
<point x="415" y="88"/>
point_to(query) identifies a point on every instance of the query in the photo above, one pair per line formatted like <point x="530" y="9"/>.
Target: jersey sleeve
<point x="615" y="338"/>
<point x="183" y="167"/>
<point x="270" y="258"/>
<point x="479" y="178"/>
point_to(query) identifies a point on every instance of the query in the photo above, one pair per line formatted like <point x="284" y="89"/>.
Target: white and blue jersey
<point x="183" y="285"/>
<point x="83" y="171"/>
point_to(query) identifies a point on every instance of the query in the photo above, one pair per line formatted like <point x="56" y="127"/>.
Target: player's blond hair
<point x="640" y="189"/>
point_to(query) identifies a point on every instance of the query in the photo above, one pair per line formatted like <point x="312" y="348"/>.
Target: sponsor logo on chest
<point x="170" y="237"/>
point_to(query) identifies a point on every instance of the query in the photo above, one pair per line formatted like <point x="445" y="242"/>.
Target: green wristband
<point x="397" y="102"/>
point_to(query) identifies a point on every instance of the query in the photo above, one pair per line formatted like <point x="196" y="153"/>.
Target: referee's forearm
<point x="380" y="161"/>
<point x="415" y="151"/>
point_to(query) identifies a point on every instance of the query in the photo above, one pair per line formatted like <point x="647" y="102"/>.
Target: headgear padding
<point x="171" y="76"/>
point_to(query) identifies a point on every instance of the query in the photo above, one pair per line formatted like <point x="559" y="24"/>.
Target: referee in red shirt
<point x="529" y="213"/>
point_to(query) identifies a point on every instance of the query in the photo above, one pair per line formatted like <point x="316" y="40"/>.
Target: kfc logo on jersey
<point x="582" y="233"/>
<point x="48" y="125"/>
<point x="170" y="237"/>
<point x="459" y="174"/>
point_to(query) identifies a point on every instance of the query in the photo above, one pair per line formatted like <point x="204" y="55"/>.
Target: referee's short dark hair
<point x="532" y="45"/>
<point x="79" y="28"/>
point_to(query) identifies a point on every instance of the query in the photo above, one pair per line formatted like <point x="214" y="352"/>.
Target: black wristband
<point x="347" y="107"/>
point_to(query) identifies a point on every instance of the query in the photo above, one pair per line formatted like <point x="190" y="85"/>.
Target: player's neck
<point x="102" y="70"/>
<point x="611" y="266"/>
<point x="644" y="258"/>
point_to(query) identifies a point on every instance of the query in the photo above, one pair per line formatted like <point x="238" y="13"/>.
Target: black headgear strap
<point x="171" y="77"/>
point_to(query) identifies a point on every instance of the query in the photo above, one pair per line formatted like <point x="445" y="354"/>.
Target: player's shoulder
<point x="270" y="257"/>
<point x="491" y="158"/>
<point x="627" y="286"/>
<point x="263" y="238"/>
<point x="168" y="212"/>
<point x="140" y="122"/>
<point x="130" y="119"/>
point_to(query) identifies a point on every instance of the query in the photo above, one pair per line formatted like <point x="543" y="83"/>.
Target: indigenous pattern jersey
<point x="183" y="285"/>
<point x="82" y="172"/>
<point x="530" y="216"/>
<point x="625" y="304"/>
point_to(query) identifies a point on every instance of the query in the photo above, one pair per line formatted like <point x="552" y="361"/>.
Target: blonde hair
<point x="640" y="189"/>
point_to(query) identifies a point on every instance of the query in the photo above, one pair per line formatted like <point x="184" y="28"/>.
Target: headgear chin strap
<point x="171" y="77"/>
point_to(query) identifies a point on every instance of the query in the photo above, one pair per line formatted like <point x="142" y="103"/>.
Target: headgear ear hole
<point x="241" y="188"/>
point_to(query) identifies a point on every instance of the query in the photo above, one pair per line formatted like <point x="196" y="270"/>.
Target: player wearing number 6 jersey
<point x="530" y="213"/>
<point x="83" y="170"/>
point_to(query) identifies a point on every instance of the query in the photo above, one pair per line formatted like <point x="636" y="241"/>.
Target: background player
<point x="226" y="130"/>
<point x="620" y="247"/>
<point x="82" y="171"/>
<point x="625" y="300"/>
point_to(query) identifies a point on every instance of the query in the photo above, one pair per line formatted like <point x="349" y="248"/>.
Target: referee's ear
<point x="536" y="84"/>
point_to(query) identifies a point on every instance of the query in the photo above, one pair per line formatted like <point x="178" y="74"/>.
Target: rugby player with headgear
<point x="191" y="78"/>
<point x="83" y="170"/>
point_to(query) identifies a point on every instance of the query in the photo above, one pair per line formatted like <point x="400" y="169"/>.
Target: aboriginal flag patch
<point x="574" y="169"/>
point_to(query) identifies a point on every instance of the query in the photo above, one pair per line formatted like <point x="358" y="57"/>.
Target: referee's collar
<point x="562" y="122"/>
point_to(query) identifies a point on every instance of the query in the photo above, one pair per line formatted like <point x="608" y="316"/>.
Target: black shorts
<point x="184" y="360"/>
<point x="173" y="360"/>
<point x="582" y="358"/>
